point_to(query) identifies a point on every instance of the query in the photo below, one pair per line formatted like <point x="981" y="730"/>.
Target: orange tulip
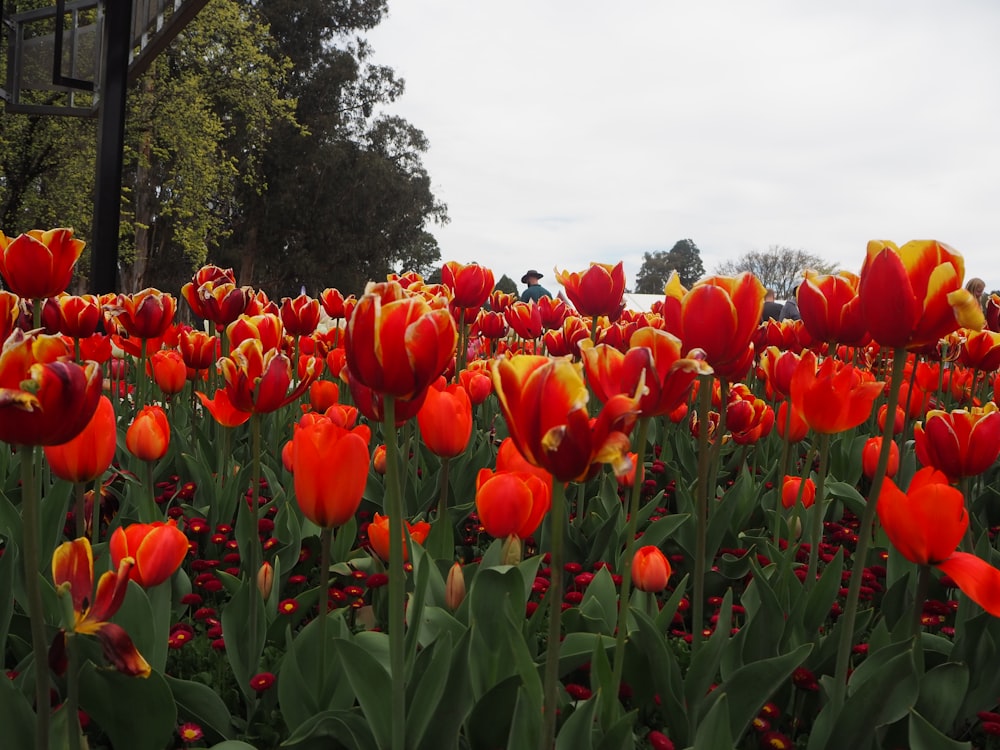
<point x="213" y="295"/>
<point x="445" y="420"/>
<point x="470" y="284"/>
<point x="491" y="324"/>
<point x="144" y="315"/>
<point x="870" y="454"/>
<point x="597" y="291"/>
<point x="259" y="381"/>
<point x="831" y="308"/>
<point x="89" y="454"/>
<point x="981" y="351"/>
<point x="961" y="443"/>
<point x="525" y="319"/>
<point x="378" y="535"/>
<point x="511" y="502"/>
<point x="790" y="488"/>
<point x="300" y="316"/>
<point x="793" y="431"/>
<point x="321" y="450"/>
<point x="10" y="313"/>
<point x="39" y="264"/>
<point x="834" y="398"/>
<point x="544" y="402"/>
<point x="397" y="343"/>
<point x="73" y="571"/>
<point x="266" y="328"/>
<point x="221" y="407"/>
<point x="776" y="368"/>
<point x="200" y="350"/>
<point x="567" y="339"/>
<point x="148" y="437"/>
<point x="335" y="304"/>
<point x="73" y="316"/>
<point x="911" y="296"/>
<point x="719" y="316"/>
<point x="650" y="569"/>
<point x="45" y="399"/>
<point x="168" y="370"/>
<point x="748" y="418"/>
<point x="477" y="383"/>
<point x="926" y="524"/>
<point x="158" y="549"/>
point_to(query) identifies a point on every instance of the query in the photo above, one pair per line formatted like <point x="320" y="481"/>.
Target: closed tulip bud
<point x="445" y="420"/>
<point x="323" y="394"/>
<point x="454" y="589"/>
<point x="870" y="454"/>
<point x="795" y="528"/>
<point x="265" y="580"/>
<point x="148" y="437"/>
<point x="378" y="459"/>
<point x="158" y="550"/>
<point x="790" y="492"/>
<point x="169" y="370"/>
<point x="650" y="569"/>
<point x="511" y="553"/>
<point x="897" y="423"/>
<point x="89" y="454"/>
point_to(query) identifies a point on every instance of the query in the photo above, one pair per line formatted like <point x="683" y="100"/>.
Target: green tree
<point x="506" y="284"/>
<point x="684" y="258"/>
<point x="779" y="268"/>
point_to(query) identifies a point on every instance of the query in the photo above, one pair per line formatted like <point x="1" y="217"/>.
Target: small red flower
<point x="262" y="681"/>
<point x="190" y="732"/>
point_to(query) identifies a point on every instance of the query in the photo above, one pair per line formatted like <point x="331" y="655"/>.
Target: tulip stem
<point x="36" y="609"/>
<point x="148" y="513"/>
<point x="442" y="509"/>
<point x="864" y="538"/>
<point x="818" y="509"/>
<point x="95" y="512"/>
<point x="325" y="538"/>
<point x="701" y="510"/>
<point x="920" y="596"/>
<point x="625" y="562"/>
<point x="558" y="519"/>
<point x="397" y="583"/>
<point x="79" y="508"/>
<point x="73" y="692"/>
<point x="254" y="540"/>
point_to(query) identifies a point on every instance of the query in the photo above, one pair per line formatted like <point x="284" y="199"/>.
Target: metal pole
<point x="110" y="145"/>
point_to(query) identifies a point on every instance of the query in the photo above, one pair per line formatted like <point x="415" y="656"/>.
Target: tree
<point x="507" y="284"/>
<point x="779" y="268"/>
<point x="684" y="258"/>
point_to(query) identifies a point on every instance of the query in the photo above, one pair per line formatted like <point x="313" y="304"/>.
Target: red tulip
<point x="200" y="350"/>
<point x="748" y="418"/>
<point x="73" y="316"/>
<point x="148" y="437"/>
<point x="445" y="420"/>
<point x="321" y="449"/>
<point x="511" y="502"/>
<point x="597" y="291"/>
<point x="525" y="319"/>
<point x="470" y="284"/>
<point x="378" y="535"/>
<point x="776" y="368"/>
<point x="491" y="324"/>
<point x="960" y="443"/>
<point x="926" y="524"/>
<point x="477" y="383"/>
<point x="158" y="550"/>
<point x="168" y="370"/>
<point x="911" y="296"/>
<point x="213" y="295"/>
<point x="144" y="315"/>
<point x="45" y="399"/>
<point x="834" y="398"/>
<point x="831" y="308"/>
<point x="10" y="312"/>
<point x="90" y="453"/>
<point x="39" y="264"/>
<point x="323" y="394"/>
<point x="650" y="569"/>
<point x="300" y="316"/>
<point x="981" y="351"/>
<point x="790" y="488"/>
<point x="870" y="454"/>
<point x="266" y="328"/>
<point x="259" y="381"/>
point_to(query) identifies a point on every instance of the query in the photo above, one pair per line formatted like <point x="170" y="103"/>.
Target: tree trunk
<point x="134" y="275"/>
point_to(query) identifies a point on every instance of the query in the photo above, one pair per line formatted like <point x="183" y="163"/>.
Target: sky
<point x="569" y="131"/>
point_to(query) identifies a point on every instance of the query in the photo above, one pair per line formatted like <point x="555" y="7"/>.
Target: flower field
<point x="436" y="517"/>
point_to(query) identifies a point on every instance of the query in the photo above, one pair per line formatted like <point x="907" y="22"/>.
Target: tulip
<point x="597" y="291"/>
<point x="870" y="454"/>
<point x="794" y="431"/>
<point x="960" y="443"/>
<point x="157" y="548"/>
<point x="650" y="569"/>
<point x="397" y="343"/>
<point x="454" y="587"/>
<point x="45" y="399"/>
<point x="719" y="316"/>
<point x="39" y="264"/>
<point x="491" y="324"/>
<point x="77" y="317"/>
<point x="168" y="370"/>
<point x="831" y="308"/>
<point x="266" y="328"/>
<point x="378" y="535"/>
<point x="10" y="313"/>
<point x="259" y="380"/>
<point x="200" y="350"/>
<point x="748" y="418"/>
<point x="981" y="351"/>
<point x="912" y="296"/>
<point x="470" y="284"/>
<point x="323" y="394"/>
<point x="265" y="580"/>
<point x="378" y="459"/>
<point x="833" y="398"/>
<point x="300" y="316"/>
<point x="221" y="407"/>
<point x="321" y="449"/>
<point x="790" y="488"/>
<point x="148" y="437"/>
<point x="89" y="454"/>
<point x="477" y="384"/>
<point x="926" y="523"/>
<point x="146" y="314"/>
<point x="511" y="502"/>
<point x="213" y="295"/>
<point x="334" y="303"/>
<point x="445" y="421"/>
<point x="553" y="312"/>
<point x="525" y="320"/>
<point x="544" y="403"/>
<point x="776" y="368"/>
<point x="73" y="573"/>
<point x="567" y="339"/>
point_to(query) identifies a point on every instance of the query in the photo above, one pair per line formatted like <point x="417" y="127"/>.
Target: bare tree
<point x="779" y="268"/>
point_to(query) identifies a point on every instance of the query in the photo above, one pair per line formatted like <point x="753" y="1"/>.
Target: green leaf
<point x="924" y="736"/>
<point x="600" y="602"/>
<point x="7" y="567"/>
<point x="371" y="684"/>
<point x="942" y="690"/>
<point x="705" y="662"/>
<point x="490" y="721"/>
<point x="202" y="704"/>
<point x="16" y="716"/>
<point x="713" y="732"/>
<point x="577" y="732"/>
<point x="661" y="664"/>
<point x="427" y="685"/>
<point x="244" y="656"/>
<point x="134" y="712"/>
<point x="448" y="715"/>
<point x="232" y="745"/>
<point x="343" y="726"/>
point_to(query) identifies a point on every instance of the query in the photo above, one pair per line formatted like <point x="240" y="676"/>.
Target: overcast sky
<point x="568" y="131"/>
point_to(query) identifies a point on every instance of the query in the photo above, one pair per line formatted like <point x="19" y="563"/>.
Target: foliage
<point x="684" y="258"/>
<point x="506" y="284"/>
<point x="779" y="268"/>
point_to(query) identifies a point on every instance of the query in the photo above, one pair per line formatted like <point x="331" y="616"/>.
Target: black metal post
<point x="110" y="145"/>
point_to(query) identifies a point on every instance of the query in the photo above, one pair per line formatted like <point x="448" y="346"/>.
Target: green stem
<point x="442" y="509"/>
<point x="148" y="513"/>
<point x="36" y="609"/>
<point x="397" y="582"/>
<point x="73" y="692"/>
<point x="864" y="539"/>
<point x="701" y="509"/>
<point x="923" y="583"/>
<point x="254" y="541"/>
<point x="551" y="684"/>
<point x="324" y="602"/>
<point x="818" y="510"/>
<point x="79" y="508"/>
<point x="625" y="565"/>
<point x="95" y="513"/>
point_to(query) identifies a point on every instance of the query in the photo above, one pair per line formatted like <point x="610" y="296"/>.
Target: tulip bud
<point x="378" y="459"/>
<point x="870" y="454"/>
<point x="454" y="589"/>
<point x="650" y="569"/>
<point x="897" y="423"/>
<point x="511" y="553"/>
<point x="790" y="492"/>
<point x="795" y="528"/>
<point x="265" y="580"/>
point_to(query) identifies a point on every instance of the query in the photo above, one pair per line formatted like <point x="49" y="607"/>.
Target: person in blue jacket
<point x="534" y="290"/>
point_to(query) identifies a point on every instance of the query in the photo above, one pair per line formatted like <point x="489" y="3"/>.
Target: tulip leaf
<point x="137" y="713"/>
<point x="619" y="735"/>
<point x="201" y="703"/>
<point x="7" y="568"/>
<point x="705" y="662"/>
<point x="942" y="690"/>
<point x="853" y="499"/>
<point x="371" y="684"/>
<point x="445" y="722"/>
<point x="427" y="685"/>
<point x="489" y="723"/>
<point x="661" y="665"/>
<point x="714" y="730"/>
<point x="600" y="602"/>
<point x="136" y="617"/>
<point x="578" y="648"/>
<point x="345" y="727"/>
<point x="16" y="716"/>
<point x="924" y="736"/>
<point x="10" y="520"/>
<point x="577" y="732"/>
<point x="244" y="655"/>
<point x="53" y="517"/>
<point x="232" y="745"/>
<point x="665" y="617"/>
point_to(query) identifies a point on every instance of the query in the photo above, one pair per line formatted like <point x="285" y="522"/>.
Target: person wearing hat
<point x="534" y="290"/>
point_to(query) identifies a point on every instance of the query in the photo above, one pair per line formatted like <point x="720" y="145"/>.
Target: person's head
<point x="769" y="295"/>
<point x="531" y="278"/>
<point x="976" y="286"/>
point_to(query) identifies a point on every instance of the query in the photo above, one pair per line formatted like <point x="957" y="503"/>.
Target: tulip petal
<point x="978" y="579"/>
